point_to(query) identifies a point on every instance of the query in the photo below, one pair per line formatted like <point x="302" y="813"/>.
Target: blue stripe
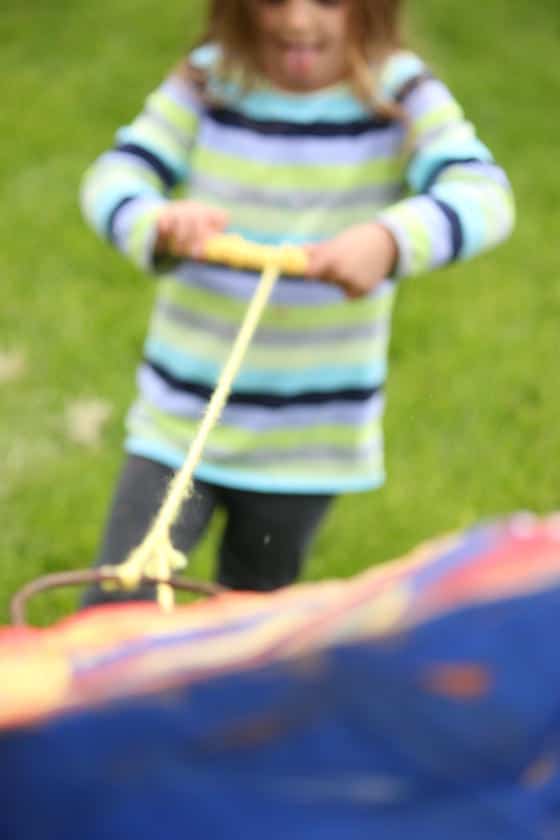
<point x="425" y="162"/>
<point x="127" y="650"/>
<point x="455" y="226"/>
<point x="411" y="85"/>
<point x="163" y="383"/>
<point x="257" y="482"/>
<point x="446" y="164"/>
<point x="133" y="142"/>
<point x="276" y="381"/>
<point x="258" y="417"/>
<point x="154" y="161"/>
<point x="469" y="210"/>
<point x="182" y="94"/>
<point x="336" y="105"/>
<point x="232" y="283"/>
<point x="205" y="57"/>
<point x="290" y="238"/>
<point x="399" y="70"/>
<point x="339" y="106"/>
<point x="288" y="128"/>
<point x="101" y="208"/>
<point x="110" y="221"/>
<point x="302" y="149"/>
<point x="426" y="96"/>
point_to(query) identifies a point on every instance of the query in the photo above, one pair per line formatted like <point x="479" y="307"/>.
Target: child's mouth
<point x="299" y="59"/>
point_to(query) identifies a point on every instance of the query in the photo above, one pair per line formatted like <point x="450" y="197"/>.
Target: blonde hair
<point x="375" y="33"/>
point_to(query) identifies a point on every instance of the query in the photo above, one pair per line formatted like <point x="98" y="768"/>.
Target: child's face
<point x="302" y="44"/>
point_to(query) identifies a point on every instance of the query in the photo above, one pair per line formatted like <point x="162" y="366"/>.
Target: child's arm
<point x="126" y="192"/>
<point x="460" y="205"/>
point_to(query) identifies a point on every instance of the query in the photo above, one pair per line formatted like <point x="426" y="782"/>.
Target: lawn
<point x="473" y="411"/>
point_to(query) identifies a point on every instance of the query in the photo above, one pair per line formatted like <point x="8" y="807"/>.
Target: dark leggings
<point x="263" y="545"/>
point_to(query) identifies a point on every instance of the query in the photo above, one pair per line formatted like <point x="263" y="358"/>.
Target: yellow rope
<point x="233" y="250"/>
<point x="156" y="555"/>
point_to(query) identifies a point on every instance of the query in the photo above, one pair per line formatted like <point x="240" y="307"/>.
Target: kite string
<point x="156" y="554"/>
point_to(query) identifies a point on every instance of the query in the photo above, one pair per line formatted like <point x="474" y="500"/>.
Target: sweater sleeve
<point x="460" y="201"/>
<point x="125" y="187"/>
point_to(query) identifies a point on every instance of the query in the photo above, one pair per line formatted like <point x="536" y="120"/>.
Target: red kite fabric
<point x="420" y="699"/>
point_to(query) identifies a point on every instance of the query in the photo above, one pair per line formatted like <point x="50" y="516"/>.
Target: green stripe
<point x="140" y="236"/>
<point x="327" y="177"/>
<point x="417" y="234"/>
<point x="420" y="243"/>
<point x="447" y="113"/>
<point x="275" y="221"/>
<point x="490" y="195"/>
<point x="459" y="174"/>
<point x="184" y="121"/>
<point x="229" y="439"/>
<point x="216" y="349"/>
<point x="275" y="316"/>
<point x="332" y="469"/>
<point x="452" y="136"/>
<point x="492" y="203"/>
<point x="146" y="131"/>
<point x="115" y="174"/>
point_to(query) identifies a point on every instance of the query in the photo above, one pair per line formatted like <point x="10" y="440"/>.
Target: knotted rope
<point x="156" y="557"/>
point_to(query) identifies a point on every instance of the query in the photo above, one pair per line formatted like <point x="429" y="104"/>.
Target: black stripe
<point x="114" y="211"/>
<point x="225" y="116"/>
<point x="156" y="163"/>
<point x="445" y="164"/>
<point x="265" y="400"/>
<point x="411" y="85"/>
<point x="455" y="224"/>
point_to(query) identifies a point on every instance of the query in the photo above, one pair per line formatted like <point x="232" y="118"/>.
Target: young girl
<point x="303" y="122"/>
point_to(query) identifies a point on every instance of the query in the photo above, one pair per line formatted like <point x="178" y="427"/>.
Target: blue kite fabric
<point x="418" y="700"/>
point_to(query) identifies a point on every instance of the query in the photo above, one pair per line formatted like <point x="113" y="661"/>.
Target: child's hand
<point x="357" y="260"/>
<point x="184" y="226"/>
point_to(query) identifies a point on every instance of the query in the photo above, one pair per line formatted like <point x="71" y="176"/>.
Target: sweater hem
<point x="255" y="482"/>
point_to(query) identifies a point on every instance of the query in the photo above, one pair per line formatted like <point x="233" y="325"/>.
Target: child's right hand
<point x="183" y="228"/>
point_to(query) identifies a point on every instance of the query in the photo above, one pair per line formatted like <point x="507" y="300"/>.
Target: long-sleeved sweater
<point x="306" y="411"/>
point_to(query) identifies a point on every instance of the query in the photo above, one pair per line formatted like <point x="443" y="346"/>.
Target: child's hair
<point x="375" y="27"/>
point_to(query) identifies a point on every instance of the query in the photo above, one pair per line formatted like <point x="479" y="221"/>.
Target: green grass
<point x="473" y="410"/>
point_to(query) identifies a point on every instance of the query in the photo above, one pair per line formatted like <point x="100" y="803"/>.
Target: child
<point x="299" y="121"/>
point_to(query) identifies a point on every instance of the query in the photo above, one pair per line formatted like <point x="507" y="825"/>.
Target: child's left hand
<point x="357" y="260"/>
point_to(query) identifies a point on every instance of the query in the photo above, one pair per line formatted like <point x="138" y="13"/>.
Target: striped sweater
<point x="305" y="414"/>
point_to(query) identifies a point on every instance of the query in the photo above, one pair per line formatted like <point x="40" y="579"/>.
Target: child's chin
<point x="303" y="82"/>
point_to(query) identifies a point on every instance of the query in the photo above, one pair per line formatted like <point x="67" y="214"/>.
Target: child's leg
<point x="138" y="497"/>
<point x="267" y="537"/>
